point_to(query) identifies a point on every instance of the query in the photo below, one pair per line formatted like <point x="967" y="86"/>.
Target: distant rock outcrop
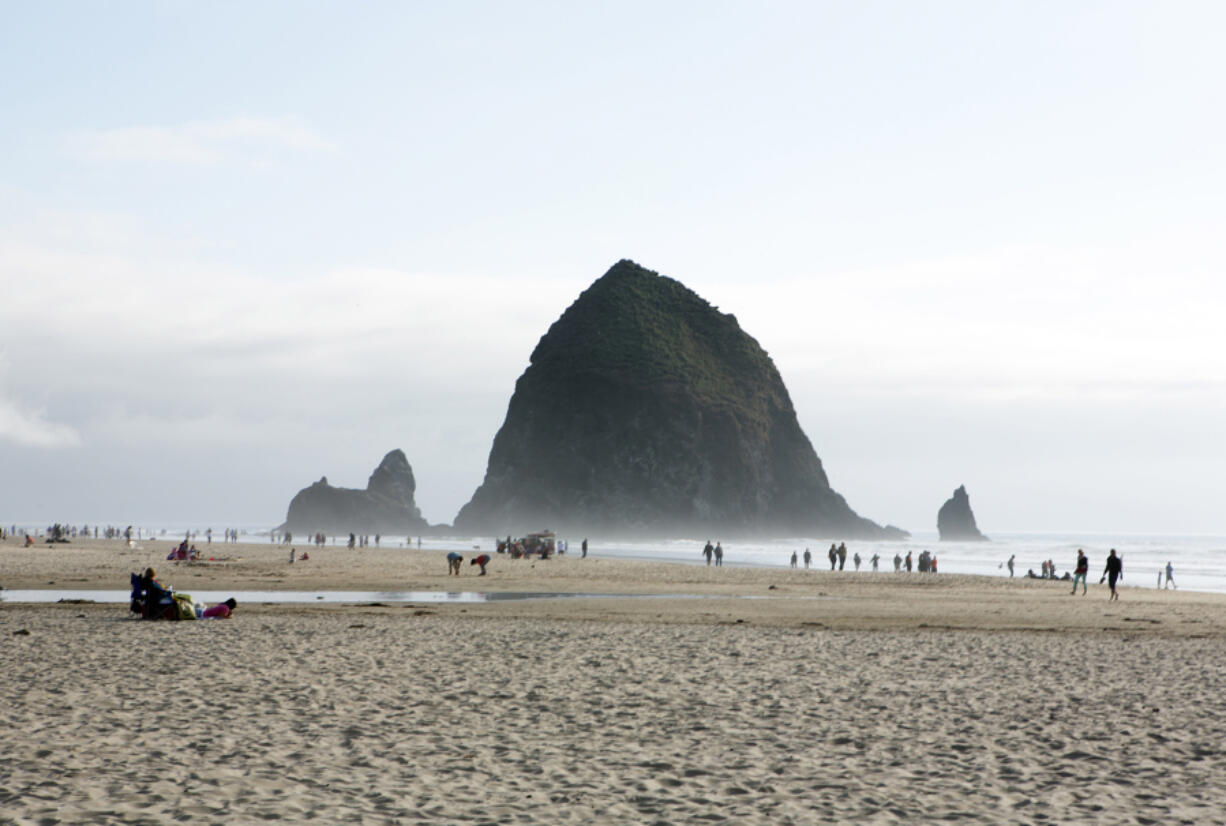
<point x="644" y="410"/>
<point x="956" y="522"/>
<point x="386" y="506"/>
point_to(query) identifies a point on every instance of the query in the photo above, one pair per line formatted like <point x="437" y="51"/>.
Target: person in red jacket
<point x="481" y="560"/>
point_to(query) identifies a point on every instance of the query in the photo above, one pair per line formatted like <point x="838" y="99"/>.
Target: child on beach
<point x="482" y="560"/>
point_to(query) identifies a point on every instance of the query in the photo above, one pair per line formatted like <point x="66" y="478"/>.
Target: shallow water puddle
<point x="66" y="595"/>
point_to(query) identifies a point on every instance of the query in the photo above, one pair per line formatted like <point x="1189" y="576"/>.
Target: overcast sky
<point x="244" y="245"/>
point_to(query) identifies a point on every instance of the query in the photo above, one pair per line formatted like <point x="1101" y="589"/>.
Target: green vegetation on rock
<point x="645" y="410"/>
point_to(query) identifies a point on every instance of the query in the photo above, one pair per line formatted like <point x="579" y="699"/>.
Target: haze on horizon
<point x="244" y="246"/>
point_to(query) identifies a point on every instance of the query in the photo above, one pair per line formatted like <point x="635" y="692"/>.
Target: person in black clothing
<point x="1113" y="571"/>
<point x="707" y="551"/>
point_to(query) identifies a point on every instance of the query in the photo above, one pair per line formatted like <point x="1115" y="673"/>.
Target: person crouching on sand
<point x="482" y="560"/>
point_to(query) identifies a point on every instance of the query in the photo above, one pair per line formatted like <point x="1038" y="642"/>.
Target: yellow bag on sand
<point x="184" y="607"/>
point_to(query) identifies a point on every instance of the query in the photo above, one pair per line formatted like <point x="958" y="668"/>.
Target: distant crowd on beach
<point x="925" y="563"/>
<point x="1113" y="572"/>
<point x="63" y="532"/>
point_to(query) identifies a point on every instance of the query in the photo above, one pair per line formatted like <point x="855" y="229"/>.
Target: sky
<point x="244" y="245"/>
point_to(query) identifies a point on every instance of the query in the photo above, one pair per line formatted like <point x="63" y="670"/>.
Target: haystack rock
<point x="386" y="506"/>
<point x="956" y="522"/>
<point x="646" y="411"/>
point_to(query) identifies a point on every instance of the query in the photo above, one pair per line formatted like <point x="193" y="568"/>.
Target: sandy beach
<point x="779" y="696"/>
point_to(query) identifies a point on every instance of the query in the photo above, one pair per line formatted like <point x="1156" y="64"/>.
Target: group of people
<point x="182" y="553"/>
<point x="1113" y="572"/>
<point x="837" y="556"/>
<point x="925" y="563"/>
<point x="455" y="559"/>
<point x="715" y="553"/>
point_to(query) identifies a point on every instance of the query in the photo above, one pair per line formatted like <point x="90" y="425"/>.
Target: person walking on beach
<point x="897" y="562"/>
<point x="719" y="554"/>
<point x="856" y="560"/>
<point x="834" y="556"/>
<point x="1170" y="577"/>
<point x="1083" y="567"/>
<point x="908" y="562"/>
<point x="1010" y="564"/>
<point x="842" y="555"/>
<point x="875" y="559"/>
<point x="707" y="551"/>
<point x="793" y="559"/>
<point x="808" y="558"/>
<point x="1113" y="571"/>
<point x="584" y="547"/>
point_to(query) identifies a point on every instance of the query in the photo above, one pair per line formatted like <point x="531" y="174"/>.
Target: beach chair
<point x="152" y="602"/>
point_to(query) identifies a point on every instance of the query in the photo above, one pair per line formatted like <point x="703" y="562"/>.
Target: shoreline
<point x="799" y="598"/>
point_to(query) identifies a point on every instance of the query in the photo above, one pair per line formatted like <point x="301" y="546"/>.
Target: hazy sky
<point x="245" y="245"/>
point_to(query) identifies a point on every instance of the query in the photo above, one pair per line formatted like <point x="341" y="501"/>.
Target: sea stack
<point x="956" y="522"/>
<point x="646" y="411"/>
<point x="385" y="506"/>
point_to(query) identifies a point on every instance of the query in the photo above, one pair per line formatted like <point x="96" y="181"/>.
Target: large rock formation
<point x="956" y="522"/>
<point x="386" y="506"/>
<point x="646" y="411"/>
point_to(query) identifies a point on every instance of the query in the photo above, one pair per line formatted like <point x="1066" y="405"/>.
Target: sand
<point x="828" y="698"/>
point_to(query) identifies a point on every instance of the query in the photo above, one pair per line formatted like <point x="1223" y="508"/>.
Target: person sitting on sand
<point x="155" y="592"/>
<point x="305" y="556"/>
<point x="222" y="610"/>
<point x="454" y="560"/>
<point x="482" y="560"/>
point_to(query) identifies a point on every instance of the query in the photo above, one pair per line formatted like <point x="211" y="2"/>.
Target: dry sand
<point x="828" y="698"/>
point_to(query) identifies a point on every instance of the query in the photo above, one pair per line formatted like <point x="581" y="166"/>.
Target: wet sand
<point x="827" y="698"/>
